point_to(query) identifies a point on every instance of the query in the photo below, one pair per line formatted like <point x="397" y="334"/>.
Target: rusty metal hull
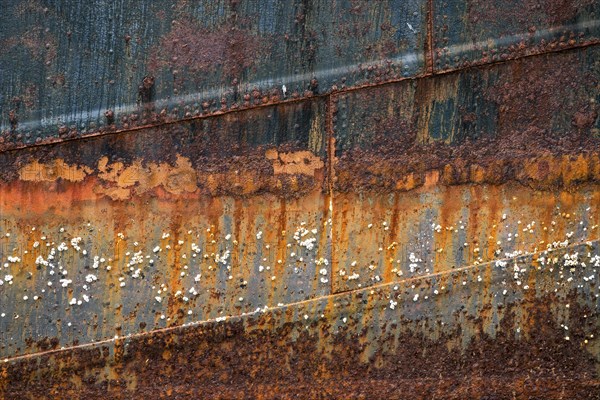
<point x="415" y="216"/>
<point x="474" y="332"/>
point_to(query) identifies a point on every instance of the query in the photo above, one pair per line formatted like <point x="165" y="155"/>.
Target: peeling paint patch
<point x="120" y="182"/>
<point x="52" y="171"/>
<point x="299" y="162"/>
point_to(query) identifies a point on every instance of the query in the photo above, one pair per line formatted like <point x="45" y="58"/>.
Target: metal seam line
<point x="50" y="141"/>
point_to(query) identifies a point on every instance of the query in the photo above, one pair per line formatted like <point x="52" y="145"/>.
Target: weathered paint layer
<point x="450" y="335"/>
<point x="71" y="68"/>
<point x="534" y="121"/>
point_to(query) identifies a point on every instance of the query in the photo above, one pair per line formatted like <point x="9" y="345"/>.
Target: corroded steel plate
<point x="474" y="32"/>
<point x="71" y="68"/>
<point x="396" y="223"/>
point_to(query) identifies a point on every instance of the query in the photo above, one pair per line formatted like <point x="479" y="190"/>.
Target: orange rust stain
<point x="477" y="173"/>
<point x="393" y="233"/>
<point x="173" y="260"/>
<point x="449" y="215"/>
<point x="409" y="182"/>
<point x="431" y="179"/>
<point x="566" y="170"/>
<point x="119" y="181"/>
<point x="491" y="220"/>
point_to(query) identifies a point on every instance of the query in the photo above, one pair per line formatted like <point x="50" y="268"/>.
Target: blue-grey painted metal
<point x="471" y="32"/>
<point x="64" y="64"/>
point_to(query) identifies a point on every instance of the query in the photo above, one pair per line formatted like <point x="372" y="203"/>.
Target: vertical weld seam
<point x="330" y="150"/>
<point x="429" y="39"/>
<point x="330" y="156"/>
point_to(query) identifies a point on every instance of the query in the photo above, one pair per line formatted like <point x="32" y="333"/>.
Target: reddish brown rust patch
<point x="532" y="92"/>
<point x="503" y="16"/>
<point x="525" y="159"/>
<point x="193" y="49"/>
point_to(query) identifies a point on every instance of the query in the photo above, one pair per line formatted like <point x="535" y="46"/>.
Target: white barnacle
<point x="353" y="277"/>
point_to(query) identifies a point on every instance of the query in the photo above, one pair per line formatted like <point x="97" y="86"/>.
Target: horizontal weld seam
<point x="217" y="114"/>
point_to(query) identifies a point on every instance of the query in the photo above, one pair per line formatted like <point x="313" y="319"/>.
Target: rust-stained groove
<point x="301" y="99"/>
<point x="333" y="295"/>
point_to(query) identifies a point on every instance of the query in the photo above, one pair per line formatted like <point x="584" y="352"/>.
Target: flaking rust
<point x="395" y="233"/>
